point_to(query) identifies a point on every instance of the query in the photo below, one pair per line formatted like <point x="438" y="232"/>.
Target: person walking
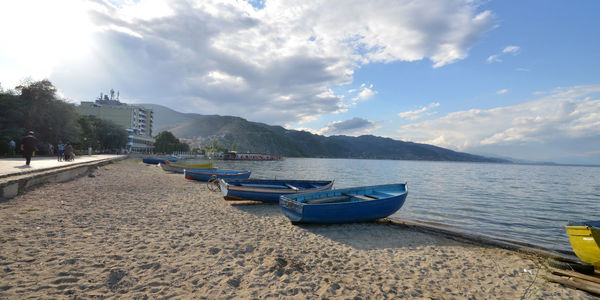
<point x="61" y="150"/>
<point x="28" y="146"/>
<point x="12" y="145"/>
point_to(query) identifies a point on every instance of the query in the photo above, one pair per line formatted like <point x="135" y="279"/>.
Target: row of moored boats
<point x="302" y="201"/>
<point x="314" y="201"/>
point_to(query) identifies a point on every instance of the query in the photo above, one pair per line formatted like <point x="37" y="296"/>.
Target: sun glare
<point x="38" y="35"/>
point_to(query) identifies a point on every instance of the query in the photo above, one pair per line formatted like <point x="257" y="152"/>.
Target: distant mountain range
<point x="200" y="130"/>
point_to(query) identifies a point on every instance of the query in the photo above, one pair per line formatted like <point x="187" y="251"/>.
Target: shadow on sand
<point x="23" y="167"/>
<point x="380" y="234"/>
<point x="258" y="208"/>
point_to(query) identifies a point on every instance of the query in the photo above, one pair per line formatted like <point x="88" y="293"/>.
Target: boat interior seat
<point x="291" y="187"/>
<point x="327" y="200"/>
<point x="358" y="196"/>
<point x="363" y="197"/>
<point x="379" y="195"/>
<point x="260" y="185"/>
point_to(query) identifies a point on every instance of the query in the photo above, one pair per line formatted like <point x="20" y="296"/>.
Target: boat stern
<point x="584" y="241"/>
<point x="291" y="208"/>
<point x="223" y="187"/>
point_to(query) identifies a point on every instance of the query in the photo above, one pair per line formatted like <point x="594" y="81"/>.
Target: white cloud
<point x="363" y="93"/>
<point x="514" y="50"/>
<point x="354" y="127"/>
<point x="565" y="116"/>
<point x="419" y="113"/>
<point x="222" y="78"/>
<point x="221" y="57"/>
<point x="493" y="58"/>
<point x="502" y="91"/>
<point x="511" y="49"/>
<point x="366" y="94"/>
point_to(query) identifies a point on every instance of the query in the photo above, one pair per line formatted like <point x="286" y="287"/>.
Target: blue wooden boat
<point x="357" y="204"/>
<point x="156" y="160"/>
<point x="269" y="190"/>
<point x="206" y="175"/>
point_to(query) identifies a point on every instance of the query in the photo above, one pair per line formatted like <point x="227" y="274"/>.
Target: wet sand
<point x="133" y="231"/>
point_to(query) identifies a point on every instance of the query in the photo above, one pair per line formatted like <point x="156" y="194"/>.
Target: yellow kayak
<point x="585" y="238"/>
<point x="200" y="166"/>
<point x="167" y="166"/>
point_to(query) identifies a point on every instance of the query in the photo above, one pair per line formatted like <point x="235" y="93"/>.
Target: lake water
<point x="525" y="203"/>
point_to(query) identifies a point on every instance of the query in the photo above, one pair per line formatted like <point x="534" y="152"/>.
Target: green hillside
<point x="200" y="130"/>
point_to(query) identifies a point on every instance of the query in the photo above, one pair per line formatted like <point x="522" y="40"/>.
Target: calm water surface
<point x="525" y="203"/>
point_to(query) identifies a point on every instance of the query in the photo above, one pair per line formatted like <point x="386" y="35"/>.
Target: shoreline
<point x="488" y="240"/>
<point x="133" y="231"/>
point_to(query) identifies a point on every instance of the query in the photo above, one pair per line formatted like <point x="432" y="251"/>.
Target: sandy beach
<point x="133" y="231"/>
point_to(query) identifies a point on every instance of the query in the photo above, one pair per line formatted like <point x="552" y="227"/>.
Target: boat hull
<point x="585" y="239"/>
<point x="156" y="161"/>
<point x="269" y="191"/>
<point x="344" y="205"/>
<point x="196" y="166"/>
<point x="206" y="175"/>
<point x="179" y="168"/>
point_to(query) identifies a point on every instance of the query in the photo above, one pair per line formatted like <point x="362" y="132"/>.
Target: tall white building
<point x="135" y="119"/>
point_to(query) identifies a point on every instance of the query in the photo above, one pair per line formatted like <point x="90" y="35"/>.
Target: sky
<point x="516" y="79"/>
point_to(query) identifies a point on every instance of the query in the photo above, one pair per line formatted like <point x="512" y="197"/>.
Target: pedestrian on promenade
<point x="28" y="146"/>
<point x="69" y="155"/>
<point x="12" y="145"/>
<point x="61" y="150"/>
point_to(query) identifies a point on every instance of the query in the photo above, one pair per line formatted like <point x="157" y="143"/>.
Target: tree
<point x="166" y="142"/>
<point x="41" y="91"/>
<point x="215" y="147"/>
<point x="34" y="106"/>
<point x="11" y="116"/>
<point x="59" y="122"/>
<point x="37" y="97"/>
<point x="110" y="135"/>
<point x="101" y="134"/>
<point x="50" y="118"/>
<point x="88" y="133"/>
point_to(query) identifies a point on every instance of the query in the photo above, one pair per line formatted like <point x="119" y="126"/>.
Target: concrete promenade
<point x="17" y="178"/>
<point x="16" y="166"/>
